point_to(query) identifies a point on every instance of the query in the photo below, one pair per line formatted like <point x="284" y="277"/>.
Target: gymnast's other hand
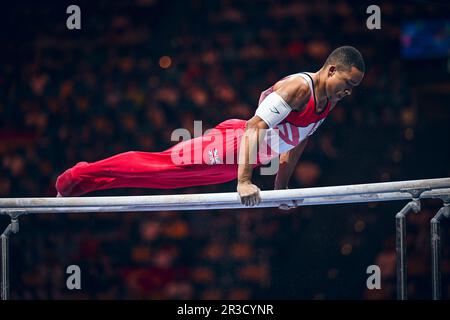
<point x="288" y="206"/>
<point x="249" y="193"/>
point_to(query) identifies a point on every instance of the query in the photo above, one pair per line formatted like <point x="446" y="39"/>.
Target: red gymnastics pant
<point x="159" y="170"/>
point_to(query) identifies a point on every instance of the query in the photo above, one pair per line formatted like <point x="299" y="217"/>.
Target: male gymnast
<point x="294" y="107"/>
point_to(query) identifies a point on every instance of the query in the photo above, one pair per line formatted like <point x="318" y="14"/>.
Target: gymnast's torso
<point x="298" y="125"/>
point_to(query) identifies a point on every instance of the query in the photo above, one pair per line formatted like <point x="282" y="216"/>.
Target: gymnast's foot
<point x="66" y="185"/>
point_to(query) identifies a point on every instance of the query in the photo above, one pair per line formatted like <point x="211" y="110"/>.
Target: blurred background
<point x="139" y="69"/>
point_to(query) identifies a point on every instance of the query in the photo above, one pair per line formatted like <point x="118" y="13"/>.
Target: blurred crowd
<point x="139" y="69"/>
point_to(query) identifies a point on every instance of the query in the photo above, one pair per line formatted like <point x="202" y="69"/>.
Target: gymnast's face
<point x="340" y="83"/>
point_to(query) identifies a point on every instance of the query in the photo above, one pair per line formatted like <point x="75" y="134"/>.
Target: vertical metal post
<point x="5" y="266"/>
<point x="400" y="247"/>
<point x="13" y="227"/>
<point x="436" y="251"/>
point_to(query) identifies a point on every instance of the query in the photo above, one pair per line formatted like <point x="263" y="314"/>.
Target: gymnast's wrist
<point x="244" y="181"/>
<point x="280" y="186"/>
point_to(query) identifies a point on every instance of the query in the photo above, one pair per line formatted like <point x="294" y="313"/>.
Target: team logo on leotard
<point x="214" y="156"/>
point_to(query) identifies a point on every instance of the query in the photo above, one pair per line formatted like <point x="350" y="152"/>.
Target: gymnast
<point x="287" y="114"/>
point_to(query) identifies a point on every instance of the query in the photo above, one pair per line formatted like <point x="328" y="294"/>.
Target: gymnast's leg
<point x="136" y="169"/>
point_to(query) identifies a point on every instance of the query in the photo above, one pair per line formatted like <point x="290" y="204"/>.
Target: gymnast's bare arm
<point x="295" y="92"/>
<point x="288" y="162"/>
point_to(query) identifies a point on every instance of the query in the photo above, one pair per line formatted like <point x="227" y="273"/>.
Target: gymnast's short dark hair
<point x="346" y="57"/>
